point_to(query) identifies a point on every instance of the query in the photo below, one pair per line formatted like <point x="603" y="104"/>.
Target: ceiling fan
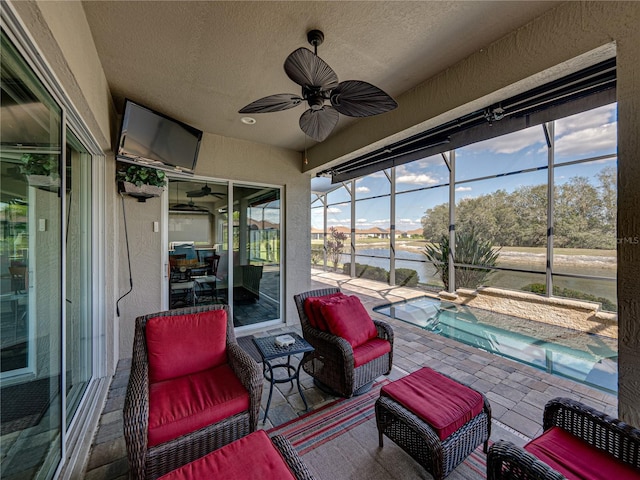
<point x="319" y="83"/>
<point x="203" y="192"/>
<point x="188" y="207"/>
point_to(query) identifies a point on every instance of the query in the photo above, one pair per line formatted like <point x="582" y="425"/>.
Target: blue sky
<point x="585" y="135"/>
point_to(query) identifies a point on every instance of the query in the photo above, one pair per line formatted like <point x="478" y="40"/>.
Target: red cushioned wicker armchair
<point x="578" y="442"/>
<point x="192" y="389"/>
<point x="344" y="367"/>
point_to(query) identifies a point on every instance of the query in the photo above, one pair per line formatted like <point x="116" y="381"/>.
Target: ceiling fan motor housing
<point x="315" y="37"/>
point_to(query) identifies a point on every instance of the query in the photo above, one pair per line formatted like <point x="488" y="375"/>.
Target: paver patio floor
<point x="517" y="393"/>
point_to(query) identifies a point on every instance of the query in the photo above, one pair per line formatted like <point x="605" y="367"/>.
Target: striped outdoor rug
<point x="340" y="441"/>
<point x="318" y="427"/>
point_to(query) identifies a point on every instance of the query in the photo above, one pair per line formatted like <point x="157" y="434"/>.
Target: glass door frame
<point x="80" y="428"/>
<point x="230" y="184"/>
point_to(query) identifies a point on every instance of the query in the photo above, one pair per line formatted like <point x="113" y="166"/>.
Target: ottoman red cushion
<point x="444" y="404"/>
<point x="576" y="459"/>
<point x="251" y="458"/>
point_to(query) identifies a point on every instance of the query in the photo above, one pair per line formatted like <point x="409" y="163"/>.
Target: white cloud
<point x="588" y="140"/>
<point x="362" y="220"/>
<point x="463" y="189"/>
<point x="384" y="221"/>
<point x="337" y="223"/>
<point x="417" y="179"/>
<point x="363" y="189"/>
<point x="597" y="117"/>
<point x="511" y="143"/>
<point x="334" y="210"/>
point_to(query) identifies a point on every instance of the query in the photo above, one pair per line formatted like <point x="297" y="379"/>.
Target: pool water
<point x="583" y="357"/>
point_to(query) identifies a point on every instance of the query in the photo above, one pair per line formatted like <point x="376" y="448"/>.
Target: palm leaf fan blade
<point x="356" y="98"/>
<point x="318" y="124"/>
<point x="309" y="70"/>
<point x="273" y="103"/>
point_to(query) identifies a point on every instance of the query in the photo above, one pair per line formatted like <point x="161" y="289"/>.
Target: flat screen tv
<point x="149" y="137"/>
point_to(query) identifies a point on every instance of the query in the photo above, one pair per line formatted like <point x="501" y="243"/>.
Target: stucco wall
<point x="563" y="40"/>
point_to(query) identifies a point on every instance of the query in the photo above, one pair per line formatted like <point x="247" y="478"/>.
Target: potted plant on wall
<point x="140" y="181"/>
<point x="41" y="169"/>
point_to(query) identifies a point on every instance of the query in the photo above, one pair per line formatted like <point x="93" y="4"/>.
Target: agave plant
<point x="469" y="250"/>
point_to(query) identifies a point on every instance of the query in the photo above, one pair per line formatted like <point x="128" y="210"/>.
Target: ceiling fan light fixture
<point x="353" y="98"/>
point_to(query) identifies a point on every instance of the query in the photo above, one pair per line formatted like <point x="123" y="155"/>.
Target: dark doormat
<point x="248" y="346"/>
<point x="22" y="406"/>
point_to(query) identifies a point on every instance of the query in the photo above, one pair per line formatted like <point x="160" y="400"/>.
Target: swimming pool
<point x="583" y="357"/>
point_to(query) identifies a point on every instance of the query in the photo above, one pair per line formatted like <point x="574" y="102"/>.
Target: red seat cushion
<point x="576" y="459"/>
<point x="183" y="344"/>
<point x="312" y="309"/>
<point x="252" y="457"/>
<point x="346" y="317"/>
<point x="186" y="404"/>
<point x="369" y="350"/>
<point x="444" y="404"/>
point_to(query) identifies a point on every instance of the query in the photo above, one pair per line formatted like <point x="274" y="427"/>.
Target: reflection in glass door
<point x="201" y="270"/>
<point x="30" y="272"/>
<point x="197" y="222"/>
<point x="78" y="317"/>
<point x="256" y="255"/>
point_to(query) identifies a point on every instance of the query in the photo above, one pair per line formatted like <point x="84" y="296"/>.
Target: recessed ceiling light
<point x="248" y="120"/>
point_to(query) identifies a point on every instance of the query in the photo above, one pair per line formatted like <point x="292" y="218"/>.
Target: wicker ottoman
<point x="255" y="456"/>
<point x="433" y="418"/>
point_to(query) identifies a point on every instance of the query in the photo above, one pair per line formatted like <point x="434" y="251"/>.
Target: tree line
<point x="584" y="215"/>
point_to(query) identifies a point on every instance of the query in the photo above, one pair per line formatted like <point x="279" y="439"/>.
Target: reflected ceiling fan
<point x="188" y="207"/>
<point x="319" y="83"/>
<point x="203" y="192"/>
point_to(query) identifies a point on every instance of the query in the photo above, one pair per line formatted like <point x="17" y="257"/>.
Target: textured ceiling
<point x="200" y="62"/>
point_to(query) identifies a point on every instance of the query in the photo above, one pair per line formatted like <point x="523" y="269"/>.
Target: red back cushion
<point x="443" y="403"/>
<point x="575" y="458"/>
<point x="346" y="317"/>
<point x="183" y="344"/>
<point x="312" y="309"/>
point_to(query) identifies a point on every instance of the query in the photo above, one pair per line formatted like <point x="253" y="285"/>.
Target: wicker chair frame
<point x="152" y="462"/>
<point x="422" y="443"/>
<point x="331" y="363"/>
<point x="299" y="469"/>
<point x="620" y="440"/>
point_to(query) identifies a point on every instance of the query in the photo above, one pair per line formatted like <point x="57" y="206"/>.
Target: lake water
<point x="427" y="274"/>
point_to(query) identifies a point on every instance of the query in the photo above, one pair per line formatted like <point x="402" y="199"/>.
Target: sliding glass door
<point x="215" y="257"/>
<point x="46" y="321"/>
<point x="31" y="273"/>
<point x="256" y="254"/>
<point x="78" y="298"/>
